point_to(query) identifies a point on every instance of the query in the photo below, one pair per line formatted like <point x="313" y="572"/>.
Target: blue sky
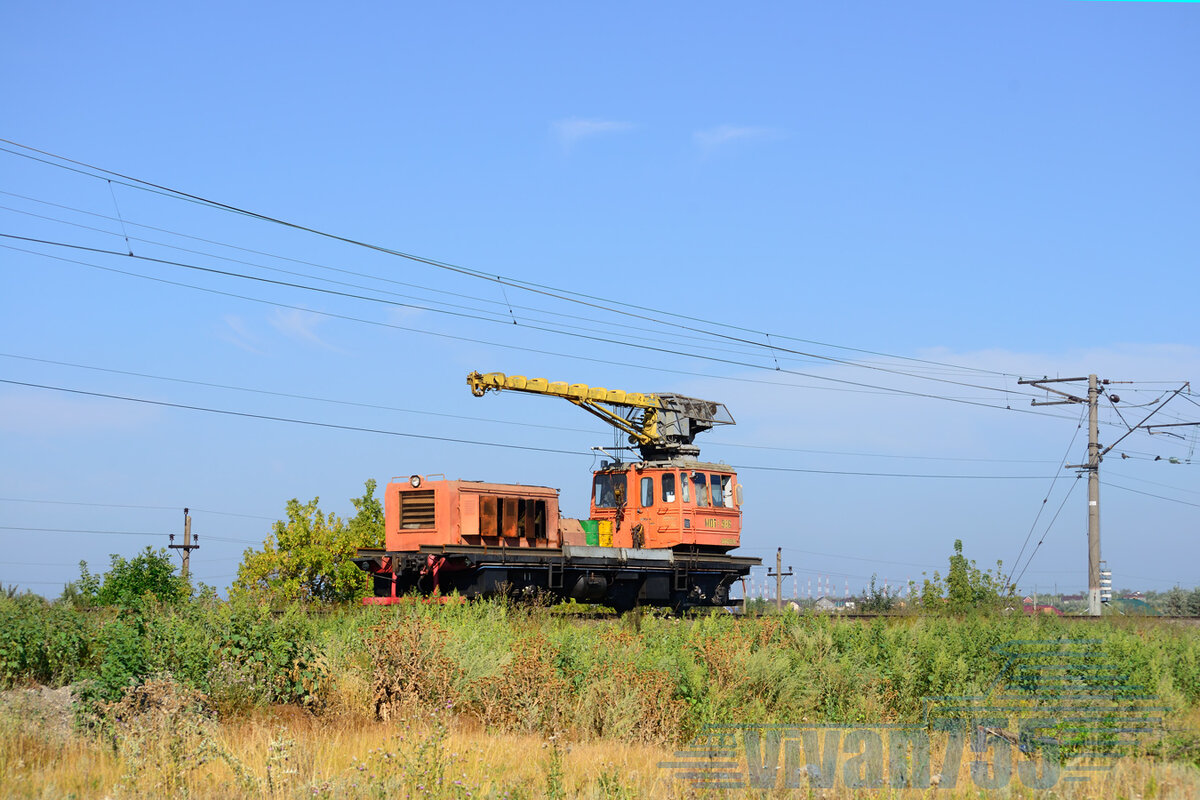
<point x="1004" y="187"/>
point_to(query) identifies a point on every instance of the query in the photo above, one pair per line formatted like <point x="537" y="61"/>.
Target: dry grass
<point x="495" y="704"/>
<point x="167" y="746"/>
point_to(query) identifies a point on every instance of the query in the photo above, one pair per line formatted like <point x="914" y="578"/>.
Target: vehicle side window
<point x="701" y="483"/>
<point x="668" y="488"/>
<point x="685" y="487"/>
<point x="647" y="492"/>
<point x="718" y="491"/>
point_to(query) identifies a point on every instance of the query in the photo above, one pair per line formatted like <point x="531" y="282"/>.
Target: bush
<point x="128" y="583"/>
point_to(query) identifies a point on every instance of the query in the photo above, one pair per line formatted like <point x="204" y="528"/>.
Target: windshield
<point x="608" y="490"/>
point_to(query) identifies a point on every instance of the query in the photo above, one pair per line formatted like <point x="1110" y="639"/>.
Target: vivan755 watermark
<point x="1057" y="712"/>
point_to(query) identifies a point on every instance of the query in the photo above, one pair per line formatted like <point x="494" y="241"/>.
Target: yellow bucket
<point x="605" y="533"/>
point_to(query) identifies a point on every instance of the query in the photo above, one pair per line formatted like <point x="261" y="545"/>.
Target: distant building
<point x="1135" y="606"/>
<point x="1032" y="609"/>
<point x="832" y="604"/>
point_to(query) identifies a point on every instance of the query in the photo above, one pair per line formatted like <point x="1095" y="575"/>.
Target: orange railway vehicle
<point x="668" y="519"/>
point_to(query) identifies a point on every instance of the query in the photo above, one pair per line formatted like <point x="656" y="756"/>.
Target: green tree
<point x="959" y="592"/>
<point x="308" y="556"/>
<point x="876" y="599"/>
<point x="1175" y="602"/>
<point x="129" y="581"/>
<point x="82" y="592"/>
<point x="932" y="593"/>
<point x="966" y="588"/>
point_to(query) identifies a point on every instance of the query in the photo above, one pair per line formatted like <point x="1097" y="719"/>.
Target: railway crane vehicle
<point x="660" y="529"/>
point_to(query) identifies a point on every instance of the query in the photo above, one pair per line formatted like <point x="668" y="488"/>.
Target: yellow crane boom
<point x="592" y="399"/>
<point x="662" y="425"/>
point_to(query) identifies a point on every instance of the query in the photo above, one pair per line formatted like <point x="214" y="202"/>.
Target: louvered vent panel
<point x="416" y="510"/>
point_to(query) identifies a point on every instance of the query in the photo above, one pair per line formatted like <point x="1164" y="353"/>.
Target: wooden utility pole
<point x="779" y="575"/>
<point x="190" y="542"/>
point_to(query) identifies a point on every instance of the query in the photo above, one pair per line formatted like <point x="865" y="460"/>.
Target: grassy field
<point x="217" y="699"/>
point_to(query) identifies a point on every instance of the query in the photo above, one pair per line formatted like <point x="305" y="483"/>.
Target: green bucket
<point x="591" y="531"/>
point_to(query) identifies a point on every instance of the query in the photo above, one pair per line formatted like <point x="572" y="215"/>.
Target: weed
<point x="555" y="784"/>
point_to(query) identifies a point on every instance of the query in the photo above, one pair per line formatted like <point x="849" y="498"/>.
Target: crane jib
<point x="662" y="425"/>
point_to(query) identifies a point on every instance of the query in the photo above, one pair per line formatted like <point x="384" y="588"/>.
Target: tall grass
<point x="270" y="700"/>
<point x="519" y="669"/>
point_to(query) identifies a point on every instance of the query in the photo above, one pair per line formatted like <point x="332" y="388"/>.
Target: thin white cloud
<point x="712" y="138"/>
<point x="571" y="131"/>
<point x="238" y="334"/>
<point x="299" y="325"/>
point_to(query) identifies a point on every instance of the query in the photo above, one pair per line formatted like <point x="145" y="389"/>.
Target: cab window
<point x="701" y="481"/>
<point x="718" y="490"/>
<point x="685" y="487"/>
<point x="647" y="492"/>
<point x="609" y="490"/>
<point x="668" y="488"/>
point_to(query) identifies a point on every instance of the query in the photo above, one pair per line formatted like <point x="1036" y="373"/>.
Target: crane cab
<point x="679" y="504"/>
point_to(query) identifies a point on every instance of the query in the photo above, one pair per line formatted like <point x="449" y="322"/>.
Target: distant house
<point x="1031" y="609"/>
<point x="830" y="604"/>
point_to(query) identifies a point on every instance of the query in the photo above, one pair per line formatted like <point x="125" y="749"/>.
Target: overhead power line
<point x="472" y="418"/>
<point x="1127" y="477"/>
<point x="125" y="505"/>
<point x="91" y="531"/>
<point x="621" y="328"/>
<point x="640" y="345"/>
<point x="442" y="335"/>
<point x="848" y="557"/>
<point x="1046" y="499"/>
<point x="602" y="304"/>
<point x="1149" y="494"/>
<point x="291" y="395"/>
<point x="273" y="418"/>
<point x="476" y="442"/>
<point x="949" y="476"/>
<point x="636" y="345"/>
<point x="1049" y="528"/>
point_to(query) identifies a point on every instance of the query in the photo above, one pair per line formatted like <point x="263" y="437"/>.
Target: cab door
<point x="645" y="512"/>
<point x="668" y="512"/>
